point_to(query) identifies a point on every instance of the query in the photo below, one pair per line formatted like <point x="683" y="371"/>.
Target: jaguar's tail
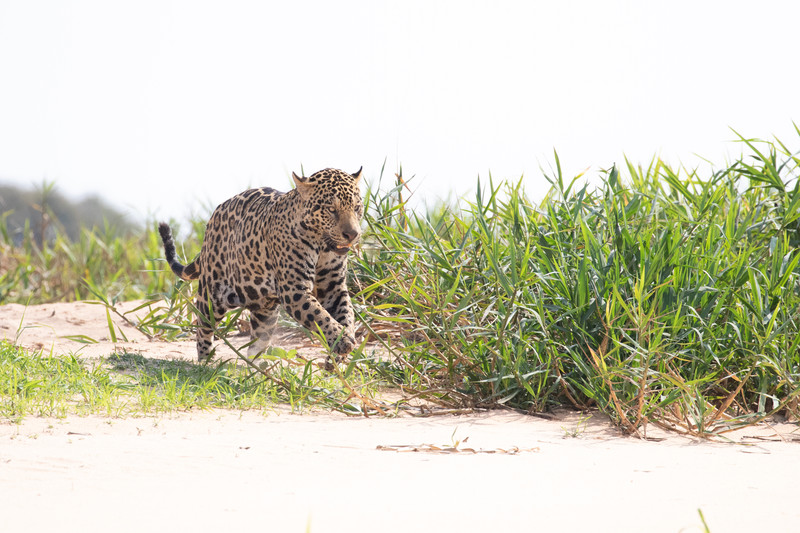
<point x="188" y="272"/>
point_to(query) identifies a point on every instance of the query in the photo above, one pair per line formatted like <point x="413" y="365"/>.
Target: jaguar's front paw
<point x="344" y="345"/>
<point x="257" y="347"/>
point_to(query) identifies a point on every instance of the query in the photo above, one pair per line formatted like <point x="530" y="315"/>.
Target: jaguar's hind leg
<point x="262" y="324"/>
<point x="206" y="319"/>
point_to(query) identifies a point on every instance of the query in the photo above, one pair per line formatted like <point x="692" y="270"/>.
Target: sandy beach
<point x="324" y="472"/>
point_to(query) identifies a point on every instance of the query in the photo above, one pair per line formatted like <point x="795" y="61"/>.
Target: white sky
<point x="168" y="107"/>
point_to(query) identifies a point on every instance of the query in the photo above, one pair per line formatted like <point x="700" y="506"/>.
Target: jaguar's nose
<point x="350" y="235"/>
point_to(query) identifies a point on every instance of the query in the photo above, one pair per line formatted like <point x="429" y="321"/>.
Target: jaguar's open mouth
<point x="341" y="250"/>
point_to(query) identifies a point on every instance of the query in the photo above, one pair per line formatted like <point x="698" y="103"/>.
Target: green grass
<point x="127" y="384"/>
<point x="657" y="295"/>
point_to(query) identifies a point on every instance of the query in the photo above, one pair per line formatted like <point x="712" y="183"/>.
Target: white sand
<point x="222" y="471"/>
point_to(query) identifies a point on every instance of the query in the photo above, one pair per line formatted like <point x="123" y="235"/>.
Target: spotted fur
<point x="265" y="248"/>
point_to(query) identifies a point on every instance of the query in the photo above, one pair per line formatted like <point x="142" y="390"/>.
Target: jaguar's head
<point x="332" y="207"/>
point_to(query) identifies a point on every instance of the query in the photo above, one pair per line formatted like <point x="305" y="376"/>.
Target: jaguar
<point x="263" y="249"/>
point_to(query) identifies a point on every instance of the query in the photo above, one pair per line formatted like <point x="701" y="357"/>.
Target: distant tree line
<point x="45" y="212"/>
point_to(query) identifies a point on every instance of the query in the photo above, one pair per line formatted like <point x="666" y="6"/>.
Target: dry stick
<point x="674" y="427"/>
<point x="689" y="426"/>
<point x="111" y="307"/>
<point x="364" y="401"/>
<point x="425" y="412"/>
<point x="730" y="398"/>
<point x="426" y="394"/>
<point x="596" y="362"/>
<point x="759" y="419"/>
<point x="640" y="399"/>
<point x="255" y="367"/>
<point x="603" y="350"/>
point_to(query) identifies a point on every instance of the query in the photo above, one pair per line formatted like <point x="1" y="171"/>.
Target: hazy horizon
<point x="165" y="108"/>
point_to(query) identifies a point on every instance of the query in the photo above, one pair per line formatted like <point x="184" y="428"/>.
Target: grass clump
<point x="667" y="297"/>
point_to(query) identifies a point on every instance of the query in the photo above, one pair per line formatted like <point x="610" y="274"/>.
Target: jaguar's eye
<point x="331" y="210"/>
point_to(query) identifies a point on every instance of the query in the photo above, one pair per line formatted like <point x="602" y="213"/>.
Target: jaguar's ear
<point x="357" y="174"/>
<point x="303" y="185"/>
